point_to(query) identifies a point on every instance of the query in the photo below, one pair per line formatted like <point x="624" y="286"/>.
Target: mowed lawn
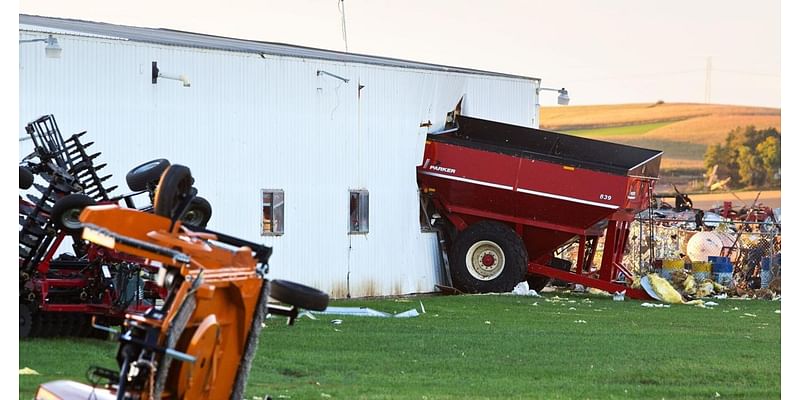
<point x="491" y="346"/>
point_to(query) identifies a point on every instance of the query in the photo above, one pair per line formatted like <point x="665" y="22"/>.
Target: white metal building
<point x="310" y="125"/>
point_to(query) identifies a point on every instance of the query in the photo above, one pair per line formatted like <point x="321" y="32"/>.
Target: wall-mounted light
<point x="156" y="73"/>
<point x="52" y="50"/>
<point x="563" y="96"/>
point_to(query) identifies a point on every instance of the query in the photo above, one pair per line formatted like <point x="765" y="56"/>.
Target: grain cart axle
<point x="510" y="196"/>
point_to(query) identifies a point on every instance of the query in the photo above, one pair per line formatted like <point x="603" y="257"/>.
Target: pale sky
<point x="612" y="51"/>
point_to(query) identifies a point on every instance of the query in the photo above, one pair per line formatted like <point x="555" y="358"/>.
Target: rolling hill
<point x="681" y="130"/>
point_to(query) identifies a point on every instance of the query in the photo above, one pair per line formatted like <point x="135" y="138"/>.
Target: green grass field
<point x="495" y="347"/>
<point x="628" y="130"/>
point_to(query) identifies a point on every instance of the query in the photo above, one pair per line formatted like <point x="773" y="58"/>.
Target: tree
<point x="750" y="157"/>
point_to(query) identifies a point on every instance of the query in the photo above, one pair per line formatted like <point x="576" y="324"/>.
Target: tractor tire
<point x="488" y="257"/>
<point x="175" y="184"/>
<point x="25" y="320"/>
<point x="66" y="211"/>
<point x="199" y="212"/>
<point x="300" y="296"/>
<point x="25" y="178"/>
<point x="140" y="176"/>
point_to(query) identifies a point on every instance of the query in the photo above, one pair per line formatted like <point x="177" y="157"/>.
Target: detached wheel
<point x="140" y="176"/>
<point x="300" y="296"/>
<point x="488" y="257"/>
<point x="25" y="320"/>
<point x="174" y="186"/>
<point x="25" y="178"/>
<point x="66" y="211"/>
<point x="199" y="212"/>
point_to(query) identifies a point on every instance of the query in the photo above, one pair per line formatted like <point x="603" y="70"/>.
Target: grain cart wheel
<point x="141" y="175"/>
<point x="66" y="211"/>
<point x="488" y="257"/>
<point x="298" y="295"/>
<point x="199" y="212"/>
<point x="25" y="320"/>
<point x="25" y="178"/>
<point x="175" y="184"/>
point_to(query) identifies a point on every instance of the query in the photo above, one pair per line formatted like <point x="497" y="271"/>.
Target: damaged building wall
<point x="257" y="121"/>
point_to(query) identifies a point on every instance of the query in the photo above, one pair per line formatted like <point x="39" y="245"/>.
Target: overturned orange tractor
<point x="198" y="344"/>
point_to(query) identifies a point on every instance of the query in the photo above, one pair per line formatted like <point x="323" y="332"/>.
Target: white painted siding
<point x="251" y="122"/>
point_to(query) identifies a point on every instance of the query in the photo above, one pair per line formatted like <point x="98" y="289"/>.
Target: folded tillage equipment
<point x="200" y="343"/>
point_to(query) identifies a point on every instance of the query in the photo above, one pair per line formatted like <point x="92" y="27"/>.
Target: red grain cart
<point x="511" y="196"/>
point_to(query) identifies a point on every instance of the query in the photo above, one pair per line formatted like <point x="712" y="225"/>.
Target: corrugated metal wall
<point x="251" y="122"/>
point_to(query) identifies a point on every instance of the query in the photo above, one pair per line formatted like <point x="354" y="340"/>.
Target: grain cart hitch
<point x="200" y="343"/>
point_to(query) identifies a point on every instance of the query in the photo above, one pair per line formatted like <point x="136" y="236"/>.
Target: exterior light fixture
<point x="563" y="96"/>
<point x="52" y="50"/>
<point x="156" y="73"/>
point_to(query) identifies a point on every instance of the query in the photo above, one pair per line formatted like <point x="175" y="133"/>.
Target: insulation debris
<point x="28" y="371"/>
<point x="365" y="312"/>
<point x="522" y="289"/>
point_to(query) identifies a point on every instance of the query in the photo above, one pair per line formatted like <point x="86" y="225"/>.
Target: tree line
<point x="749" y="157"/>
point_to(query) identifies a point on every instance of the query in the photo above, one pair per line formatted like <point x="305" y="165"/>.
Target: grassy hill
<point x="681" y="130"/>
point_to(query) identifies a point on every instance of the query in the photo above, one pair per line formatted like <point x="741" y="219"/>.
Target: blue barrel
<point x="766" y="272"/>
<point x="721" y="270"/>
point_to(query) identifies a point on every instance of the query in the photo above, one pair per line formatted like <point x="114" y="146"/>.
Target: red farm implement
<point x="511" y="196"/>
<point x="59" y="293"/>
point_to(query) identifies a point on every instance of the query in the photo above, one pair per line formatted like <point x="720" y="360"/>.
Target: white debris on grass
<point x="711" y="304"/>
<point x="657" y="305"/>
<point x="721" y="296"/>
<point x="522" y="289"/>
<point x="573" y="308"/>
<point x="28" y="371"/>
<point x="749" y="315"/>
<point x="487" y="322"/>
<point x="580" y="321"/>
<point x="619" y="296"/>
<point x="777" y="311"/>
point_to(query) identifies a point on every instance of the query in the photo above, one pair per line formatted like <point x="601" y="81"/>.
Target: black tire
<point x="140" y="176"/>
<point x="498" y="258"/>
<point x="66" y="211"/>
<point x="300" y="296"/>
<point x="174" y="185"/>
<point x="537" y="282"/>
<point x="199" y="212"/>
<point x="25" y="320"/>
<point x="25" y="178"/>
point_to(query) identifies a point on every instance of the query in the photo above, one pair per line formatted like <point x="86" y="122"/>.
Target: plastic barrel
<point x="766" y="272"/>
<point x="701" y="270"/>
<point x="722" y="270"/>
<point x="670" y="266"/>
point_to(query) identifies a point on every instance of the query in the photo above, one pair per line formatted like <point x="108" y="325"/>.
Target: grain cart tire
<point x="175" y="184"/>
<point x="300" y="296"/>
<point x="66" y="211"/>
<point x="199" y="212"/>
<point x="488" y="257"/>
<point x="145" y="173"/>
<point x="25" y="178"/>
<point x="25" y="320"/>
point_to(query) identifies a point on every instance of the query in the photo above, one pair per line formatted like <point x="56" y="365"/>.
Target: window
<point x="359" y="211"/>
<point x="272" y="212"/>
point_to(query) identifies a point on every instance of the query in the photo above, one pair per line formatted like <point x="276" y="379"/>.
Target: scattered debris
<point x="580" y="321"/>
<point x="711" y="304"/>
<point x="651" y="305"/>
<point x="522" y="289"/>
<point x="777" y="311"/>
<point x="28" y="371"/>
<point x="487" y="322"/>
<point x="365" y="312"/>
<point x="619" y="296"/>
<point x="336" y="321"/>
<point x="598" y="292"/>
<point x="750" y="315"/>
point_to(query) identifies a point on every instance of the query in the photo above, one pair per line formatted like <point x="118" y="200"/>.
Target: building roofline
<point x="200" y="40"/>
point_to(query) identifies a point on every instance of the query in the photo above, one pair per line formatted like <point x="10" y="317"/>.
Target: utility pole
<point x="707" y="98"/>
<point x="344" y="25"/>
